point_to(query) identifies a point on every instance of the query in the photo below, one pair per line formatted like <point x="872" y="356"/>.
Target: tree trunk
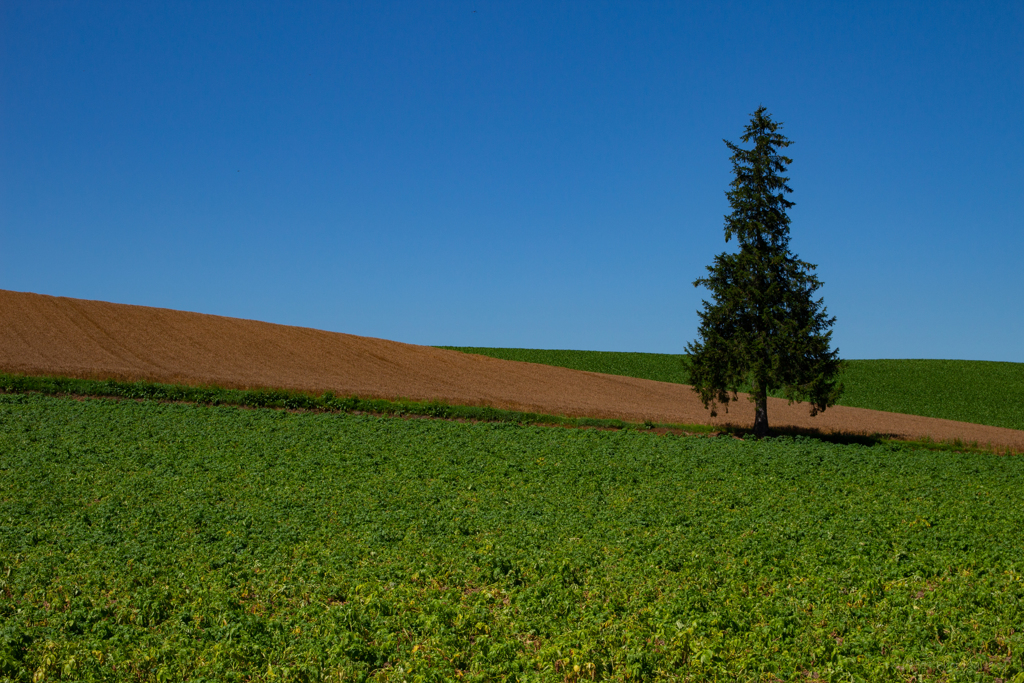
<point x="760" y="411"/>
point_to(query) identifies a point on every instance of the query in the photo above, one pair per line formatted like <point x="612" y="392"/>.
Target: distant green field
<point x="663" y="367"/>
<point x="145" y="541"/>
<point x="970" y="391"/>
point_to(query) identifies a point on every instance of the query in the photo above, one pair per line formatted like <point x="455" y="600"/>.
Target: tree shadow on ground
<point x="844" y="438"/>
<point x="876" y="439"/>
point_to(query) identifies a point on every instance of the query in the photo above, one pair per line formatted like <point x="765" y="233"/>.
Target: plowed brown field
<point x="46" y="335"/>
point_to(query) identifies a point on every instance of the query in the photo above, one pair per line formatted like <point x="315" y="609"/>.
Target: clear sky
<point x="523" y="174"/>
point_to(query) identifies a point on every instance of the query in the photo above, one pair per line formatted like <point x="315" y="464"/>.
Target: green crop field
<point x="970" y="391"/>
<point x="981" y="392"/>
<point x="145" y="541"/>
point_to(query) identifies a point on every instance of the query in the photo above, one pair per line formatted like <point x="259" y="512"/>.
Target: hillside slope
<point x="982" y="392"/>
<point x="46" y="335"/>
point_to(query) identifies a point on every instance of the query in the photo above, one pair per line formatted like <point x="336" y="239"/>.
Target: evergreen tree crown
<point x="758" y="194"/>
<point x="763" y="330"/>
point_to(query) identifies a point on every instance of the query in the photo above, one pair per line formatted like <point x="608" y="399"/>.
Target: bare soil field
<point x="46" y="335"/>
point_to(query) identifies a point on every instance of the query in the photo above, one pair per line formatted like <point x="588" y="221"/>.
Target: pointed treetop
<point x="758" y="194"/>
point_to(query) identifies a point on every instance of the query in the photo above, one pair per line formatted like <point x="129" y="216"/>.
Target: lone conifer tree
<point x="764" y="326"/>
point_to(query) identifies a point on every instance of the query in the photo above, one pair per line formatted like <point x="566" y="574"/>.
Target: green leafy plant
<point x="146" y="540"/>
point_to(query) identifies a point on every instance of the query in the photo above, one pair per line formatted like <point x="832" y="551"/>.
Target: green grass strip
<point x="296" y="400"/>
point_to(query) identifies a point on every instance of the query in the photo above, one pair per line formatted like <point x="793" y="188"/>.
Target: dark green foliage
<point x="763" y="326"/>
<point x="144" y="541"/>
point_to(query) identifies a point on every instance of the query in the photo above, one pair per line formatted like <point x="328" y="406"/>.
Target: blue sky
<point x="530" y="174"/>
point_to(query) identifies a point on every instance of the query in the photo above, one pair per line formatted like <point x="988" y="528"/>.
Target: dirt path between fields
<point x="46" y="335"/>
